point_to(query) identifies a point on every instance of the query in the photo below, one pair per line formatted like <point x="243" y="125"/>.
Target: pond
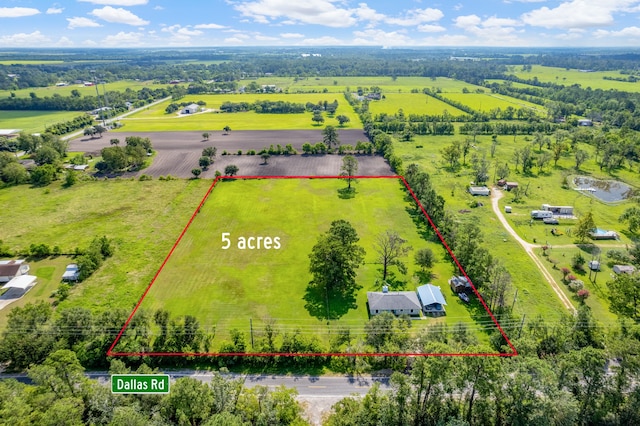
<point x="606" y="190"/>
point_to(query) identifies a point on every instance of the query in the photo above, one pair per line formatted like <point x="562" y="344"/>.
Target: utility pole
<point x="251" y="330"/>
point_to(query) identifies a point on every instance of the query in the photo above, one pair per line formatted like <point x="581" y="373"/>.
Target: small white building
<point x="479" y="190"/>
<point x="190" y="109"/>
<point x="558" y="210"/>
<point x="624" y="269"/>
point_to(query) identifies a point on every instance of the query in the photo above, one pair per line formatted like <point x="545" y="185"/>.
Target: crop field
<point x="155" y="118"/>
<point x="236" y="288"/>
<point x="486" y="102"/>
<point x="29" y="62"/>
<point x="34" y="121"/>
<point x="142" y="218"/>
<point x="84" y="90"/>
<point x="573" y="76"/>
<point x="412" y="103"/>
<point x="386" y="84"/>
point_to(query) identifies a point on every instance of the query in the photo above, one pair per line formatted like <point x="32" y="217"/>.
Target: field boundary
<point x="110" y="351"/>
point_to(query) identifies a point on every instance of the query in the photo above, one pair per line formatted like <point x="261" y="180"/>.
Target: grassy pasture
<point x="143" y="218"/>
<point x="486" y="102"/>
<point x="34" y="121"/>
<point x="535" y="296"/>
<point x="386" y="84"/>
<point x="226" y="288"/>
<point x="573" y="76"/>
<point x="121" y="85"/>
<point x="155" y="119"/>
<point x="412" y="103"/>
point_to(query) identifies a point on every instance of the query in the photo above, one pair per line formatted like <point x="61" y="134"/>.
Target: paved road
<point x="496" y="194"/>
<point x="317" y="394"/>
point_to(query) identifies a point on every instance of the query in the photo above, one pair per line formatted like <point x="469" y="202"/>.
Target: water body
<point x="606" y="190"/>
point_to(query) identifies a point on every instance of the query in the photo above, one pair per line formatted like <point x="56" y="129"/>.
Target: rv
<point x="541" y="214"/>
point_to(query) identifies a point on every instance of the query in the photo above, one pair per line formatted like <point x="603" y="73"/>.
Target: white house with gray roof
<point x="396" y="302"/>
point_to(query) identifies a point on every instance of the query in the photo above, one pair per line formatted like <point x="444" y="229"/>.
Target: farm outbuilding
<point x="479" y="190"/>
<point x="558" y="210"/>
<point x="432" y="300"/>
<point x="624" y="269"/>
<point x="190" y="109"/>
<point x="10" y="269"/>
<point x="23" y="282"/>
<point x="459" y="284"/>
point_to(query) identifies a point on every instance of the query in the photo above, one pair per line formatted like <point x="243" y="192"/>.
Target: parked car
<point x="464" y="297"/>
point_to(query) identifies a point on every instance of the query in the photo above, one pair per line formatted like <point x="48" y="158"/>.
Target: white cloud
<point x="35" y="38"/>
<point x="158" y="8"/>
<point x="54" y="10"/>
<point x="429" y="28"/>
<point x="417" y="17"/>
<point x="64" y="42"/>
<point x="381" y="38"/>
<point x="81" y="22"/>
<point x="17" y="12"/>
<point x="365" y="13"/>
<point x="317" y="12"/>
<point x="579" y="13"/>
<point x="118" y="2"/>
<point x="233" y="40"/>
<point x="494" y="21"/>
<point x="266" y="38"/>
<point x="628" y="32"/>
<point x="210" y="26"/>
<point x="291" y="35"/>
<point x="89" y="43"/>
<point x="322" y="41"/>
<point x="467" y="21"/>
<point x="118" y="16"/>
<point x="123" y="39"/>
<point x="180" y="30"/>
<point x="458" y="6"/>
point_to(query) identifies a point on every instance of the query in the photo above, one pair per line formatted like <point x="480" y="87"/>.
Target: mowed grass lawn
<point x="34" y="121"/>
<point x="412" y="103"/>
<point x="227" y="289"/>
<point x="142" y="218"/>
<point x="155" y="118"/>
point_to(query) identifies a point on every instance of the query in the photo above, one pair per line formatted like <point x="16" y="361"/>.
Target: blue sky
<point x="169" y="23"/>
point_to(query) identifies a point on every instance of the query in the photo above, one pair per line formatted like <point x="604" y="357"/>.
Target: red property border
<point x="110" y="351"/>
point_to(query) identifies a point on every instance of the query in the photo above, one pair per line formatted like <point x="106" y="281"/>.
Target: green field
<point x="573" y="76"/>
<point x="535" y="297"/>
<point x="34" y="121"/>
<point x="486" y="102"/>
<point x="386" y="84"/>
<point x="29" y="62"/>
<point x="118" y="86"/>
<point x="143" y="219"/>
<point x="412" y="103"/>
<point x="226" y="289"/>
<point x="155" y="118"/>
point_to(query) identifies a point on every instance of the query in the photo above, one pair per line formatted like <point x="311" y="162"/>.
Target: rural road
<point x="316" y="393"/>
<point x="496" y="195"/>
<point x="111" y="120"/>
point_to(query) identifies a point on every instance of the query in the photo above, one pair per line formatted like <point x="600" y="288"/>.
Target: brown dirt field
<point x="178" y="153"/>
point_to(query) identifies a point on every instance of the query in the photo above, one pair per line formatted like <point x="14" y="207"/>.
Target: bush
<point x="576" y="285"/>
<point x="39" y="250"/>
<point x="239" y="152"/>
<point x="583" y="294"/>
<point x="145" y="178"/>
<point x="578" y="262"/>
<point x="570" y="278"/>
<point x="565" y="271"/>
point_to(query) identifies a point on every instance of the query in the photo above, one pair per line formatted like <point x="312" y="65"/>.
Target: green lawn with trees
<point x="234" y="290"/>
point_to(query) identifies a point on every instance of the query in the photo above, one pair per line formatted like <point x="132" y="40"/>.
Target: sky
<point x="173" y="23"/>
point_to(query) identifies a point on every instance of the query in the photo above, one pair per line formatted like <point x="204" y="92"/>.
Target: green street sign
<point x="140" y="383"/>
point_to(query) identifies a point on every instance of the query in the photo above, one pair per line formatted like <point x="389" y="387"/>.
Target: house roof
<point x="393" y="301"/>
<point x="23" y="281"/>
<point x="430" y="294"/>
<point x="10" y="269"/>
<point x="460" y="281"/>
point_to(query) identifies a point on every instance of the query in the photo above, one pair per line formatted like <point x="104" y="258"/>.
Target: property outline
<point x="110" y="351"/>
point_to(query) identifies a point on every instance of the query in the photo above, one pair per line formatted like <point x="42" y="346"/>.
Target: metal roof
<point x="430" y="294"/>
<point x="23" y="281"/>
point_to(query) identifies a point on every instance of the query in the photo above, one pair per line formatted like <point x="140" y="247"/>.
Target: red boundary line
<point x="207" y="354"/>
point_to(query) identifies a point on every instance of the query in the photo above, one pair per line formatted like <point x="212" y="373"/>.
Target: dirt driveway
<point x="178" y="153"/>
